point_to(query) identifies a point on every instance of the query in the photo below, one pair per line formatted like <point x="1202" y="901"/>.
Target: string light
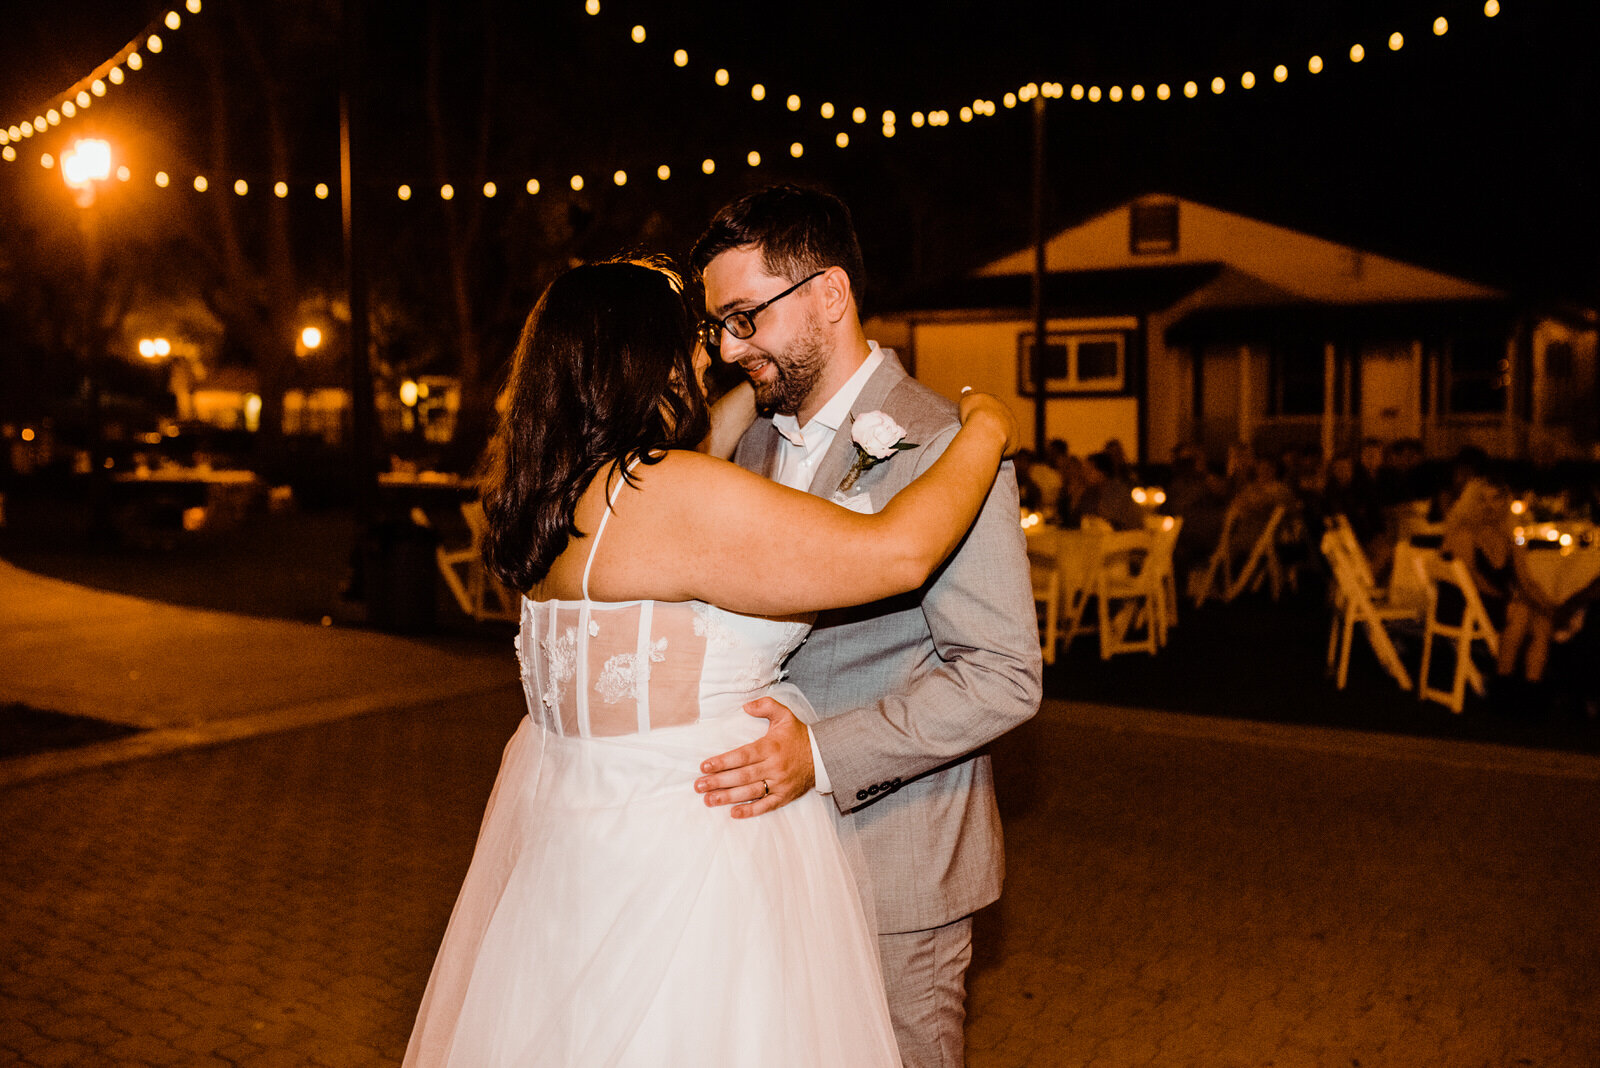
<point x="200" y="183"/>
<point x="280" y="189"/>
<point x="321" y="191"/>
<point x="680" y="58"/>
<point x="638" y="35"/>
<point x="576" y="183"/>
<point x="533" y="186"/>
<point x="447" y="192"/>
<point x="241" y="187"/>
<point x="663" y="172"/>
<point x="1079" y="92"/>
<point x="708" y="166"/>
<point x="754" y="158"/>
<point x="70" y="102"/>
<point x="490" y="189"/>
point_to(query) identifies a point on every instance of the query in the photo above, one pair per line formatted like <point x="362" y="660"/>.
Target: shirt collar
<point x="832" y="414"/>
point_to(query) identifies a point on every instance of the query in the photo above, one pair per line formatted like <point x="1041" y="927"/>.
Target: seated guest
<point x="1027" y="489"/>
<point x="1203" y="503"/>
<point x="1476" y="531"/>
<point x="1074" y="481"/>
<point x="1108" y="496"/>
<point x="1046" y="481"/>
<point x="1264" y="491"/>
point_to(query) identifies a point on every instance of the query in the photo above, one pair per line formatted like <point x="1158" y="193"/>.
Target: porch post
<point x="1329" y="412"/>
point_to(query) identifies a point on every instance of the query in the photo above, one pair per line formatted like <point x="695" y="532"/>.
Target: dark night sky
<point x="1462" y="152"/>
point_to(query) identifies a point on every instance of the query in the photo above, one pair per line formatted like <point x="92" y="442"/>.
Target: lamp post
<point x="83" y="167"/>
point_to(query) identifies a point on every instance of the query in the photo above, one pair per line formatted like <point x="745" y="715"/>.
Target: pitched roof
<point x="1128" y="291"/>
<point x="1308" y="267"/>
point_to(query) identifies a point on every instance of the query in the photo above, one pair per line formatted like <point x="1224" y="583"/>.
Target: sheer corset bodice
<point x="597" y="669"/>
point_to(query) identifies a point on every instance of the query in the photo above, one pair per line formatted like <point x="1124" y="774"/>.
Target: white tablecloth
<point x="1072" y="552"/>
<point x="1561" y="573"/>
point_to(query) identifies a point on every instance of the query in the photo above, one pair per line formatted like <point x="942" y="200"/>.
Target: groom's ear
<point x="836" y="293"/>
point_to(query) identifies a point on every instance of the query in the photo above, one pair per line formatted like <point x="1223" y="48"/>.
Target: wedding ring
<point x="766" y="788"/>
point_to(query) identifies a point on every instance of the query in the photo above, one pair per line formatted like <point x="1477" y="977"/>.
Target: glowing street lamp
<point x="87" y="162"/>
<point x="311" y="337"/>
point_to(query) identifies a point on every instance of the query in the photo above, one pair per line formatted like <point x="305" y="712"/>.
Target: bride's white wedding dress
<point x="609" y="918"/>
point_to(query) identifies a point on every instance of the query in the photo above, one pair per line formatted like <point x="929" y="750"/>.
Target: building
<point x="1170" y="321"/>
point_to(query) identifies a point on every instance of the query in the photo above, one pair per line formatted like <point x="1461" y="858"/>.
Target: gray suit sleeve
<point x="988" y="677"/>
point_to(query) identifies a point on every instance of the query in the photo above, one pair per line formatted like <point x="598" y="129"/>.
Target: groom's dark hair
<point x="799" y="231"/>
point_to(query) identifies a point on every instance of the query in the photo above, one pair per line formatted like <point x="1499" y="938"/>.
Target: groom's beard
<point x="797" y="370"/>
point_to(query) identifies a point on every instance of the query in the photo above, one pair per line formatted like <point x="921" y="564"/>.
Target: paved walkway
<point x="1181" y="891"/>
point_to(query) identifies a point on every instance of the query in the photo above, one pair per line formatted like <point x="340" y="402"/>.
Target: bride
<point x="609" y="918"/>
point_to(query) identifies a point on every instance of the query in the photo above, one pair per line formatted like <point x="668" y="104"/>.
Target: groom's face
<point x="788" y="352"/>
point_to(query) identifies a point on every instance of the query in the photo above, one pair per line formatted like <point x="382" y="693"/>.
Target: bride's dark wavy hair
<point x="603" y="373"/>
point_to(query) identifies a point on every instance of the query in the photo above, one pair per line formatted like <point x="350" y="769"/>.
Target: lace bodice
<point x="600" y="669"/>
<point x="596" y="669"/>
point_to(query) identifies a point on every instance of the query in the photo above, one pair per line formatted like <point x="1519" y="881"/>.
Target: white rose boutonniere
<point x="876" y="437"/>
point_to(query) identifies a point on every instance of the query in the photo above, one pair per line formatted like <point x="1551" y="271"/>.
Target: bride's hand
<point x="731" y="416"/>
<point x="986" y="407"/>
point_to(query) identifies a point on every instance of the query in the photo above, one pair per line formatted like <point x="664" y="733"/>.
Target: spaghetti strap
<point x="611" y="499"/>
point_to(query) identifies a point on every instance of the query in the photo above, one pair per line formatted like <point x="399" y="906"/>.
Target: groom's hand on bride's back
<point x="766" y="774"/>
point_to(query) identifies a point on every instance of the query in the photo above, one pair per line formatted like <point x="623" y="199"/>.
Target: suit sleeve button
<point x="861" y="795"/>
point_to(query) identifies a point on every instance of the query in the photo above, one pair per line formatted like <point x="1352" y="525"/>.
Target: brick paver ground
<point x="1174" y="898"/>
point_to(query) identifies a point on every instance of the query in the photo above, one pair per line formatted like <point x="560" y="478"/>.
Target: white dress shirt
<point x="799" y="453"/>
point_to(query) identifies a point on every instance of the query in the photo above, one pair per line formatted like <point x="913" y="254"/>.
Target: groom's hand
<point x="781" y="758"/>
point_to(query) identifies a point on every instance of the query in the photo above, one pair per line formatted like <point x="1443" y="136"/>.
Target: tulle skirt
<point x="609" y="918"/>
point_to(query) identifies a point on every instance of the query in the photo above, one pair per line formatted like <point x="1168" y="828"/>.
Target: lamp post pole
<point x="1040" y="332"/>
<point x="83" y="167"/>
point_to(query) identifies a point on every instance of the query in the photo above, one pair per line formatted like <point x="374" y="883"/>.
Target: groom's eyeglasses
<point x="742" y="324"/>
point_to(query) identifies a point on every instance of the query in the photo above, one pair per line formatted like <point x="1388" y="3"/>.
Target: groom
<point x="907" y="691"/>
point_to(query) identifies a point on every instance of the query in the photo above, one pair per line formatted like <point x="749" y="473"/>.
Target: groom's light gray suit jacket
<point x="908" y="690"/>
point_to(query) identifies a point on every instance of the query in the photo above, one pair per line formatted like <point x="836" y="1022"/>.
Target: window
<point x="1074" y="363"/>
<point x="1478" y="376"/>
<point x="1153" y="227"/>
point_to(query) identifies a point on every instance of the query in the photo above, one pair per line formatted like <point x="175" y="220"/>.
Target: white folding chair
<point x="1077" y="563"/>
<point x="1217" y="574"/>
<point x="1262" y="562"/>
<point x="1439" y="570"/>
<point x="1351" y="545"/>
<point x="468" y="579"/>
<point x="1355" y="601"/>
<point x="1164" y="530"/>
<point x="1129" y="591"/>
<point x="1046" y="605"/>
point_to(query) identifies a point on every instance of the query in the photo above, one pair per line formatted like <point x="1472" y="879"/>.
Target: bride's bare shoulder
<point x="680" y="468"/>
